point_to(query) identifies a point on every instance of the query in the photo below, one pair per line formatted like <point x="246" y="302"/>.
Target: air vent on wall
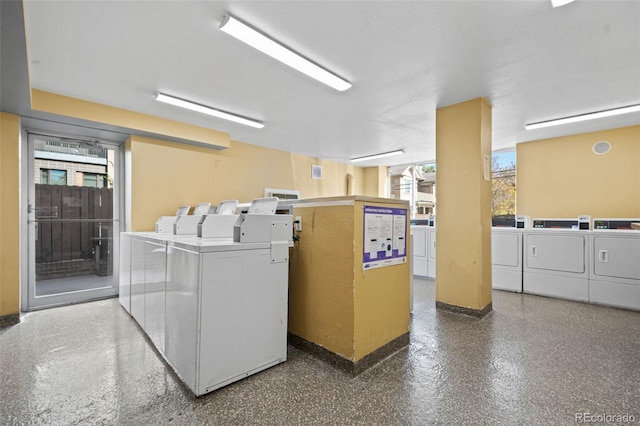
<point x="283" y="194"/>
<point x="316" y="172"/>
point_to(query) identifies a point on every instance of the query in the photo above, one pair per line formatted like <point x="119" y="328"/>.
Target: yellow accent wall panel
<point x="165" y="175"/>
<point x="86" y="110"/>
<point x="9" y="214"/>
<point x="381" y="296"/>
<point x="376" y="181"/>
<point x="321" y="283"/>
<point x="563" y="177"/>
<point x="463" y="233"/>
<point x="333" y="301"/>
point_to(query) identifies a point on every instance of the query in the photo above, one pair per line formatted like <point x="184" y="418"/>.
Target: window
<point x="94" y="180"/>
<point x="503" y="184"/>
<point x="415" y="183"/>
<point x="53" y="177"/>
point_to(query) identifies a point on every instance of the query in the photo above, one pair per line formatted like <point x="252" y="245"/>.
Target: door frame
<point x="29" y="301"/>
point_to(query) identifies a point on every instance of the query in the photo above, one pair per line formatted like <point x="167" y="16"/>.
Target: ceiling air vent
<point x="601" y="147"/>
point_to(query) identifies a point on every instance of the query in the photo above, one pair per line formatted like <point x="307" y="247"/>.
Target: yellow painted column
<point x="463" y="226"/>
<point x="9" y="219"/>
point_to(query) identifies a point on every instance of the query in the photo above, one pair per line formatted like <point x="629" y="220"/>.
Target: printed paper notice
<point x="385" y="232"/>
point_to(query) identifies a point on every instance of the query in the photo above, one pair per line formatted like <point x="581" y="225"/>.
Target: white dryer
<point x="420" y="267"/>
<point x="431" y="252"/>
<point x="556" y="259"/>
<point x="506" y="258"/>
<point x="614" y="277"/>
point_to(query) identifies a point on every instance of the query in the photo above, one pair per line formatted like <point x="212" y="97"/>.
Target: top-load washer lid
<point x="227" y="207"/>
<point x="201" y="208"/>
<point x="183" y="210"/>
<point x="263" y="206"/>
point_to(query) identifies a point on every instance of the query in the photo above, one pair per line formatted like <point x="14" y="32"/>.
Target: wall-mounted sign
<point x="385" y="231"/>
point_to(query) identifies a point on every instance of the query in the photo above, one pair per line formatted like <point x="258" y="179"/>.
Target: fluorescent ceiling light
<point x="207" y="110"/>
<point x="558" y="3"/>
<point x="583" y="117"/>
<point x="374" y="156"/>
<point x="257" y="40"/>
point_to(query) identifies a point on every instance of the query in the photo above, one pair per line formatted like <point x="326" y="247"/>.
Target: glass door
<point x="72" y="221"/>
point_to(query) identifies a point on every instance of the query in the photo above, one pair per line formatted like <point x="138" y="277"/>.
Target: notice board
<point x="385" y="243"/>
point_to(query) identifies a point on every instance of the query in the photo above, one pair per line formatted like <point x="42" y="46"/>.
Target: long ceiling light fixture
<point x="558" y="3"/>
<point x="207" y="110"/>
<point x="583" y="117"/>
<point x="375" y="156"/>
<point x="257" y="40"/>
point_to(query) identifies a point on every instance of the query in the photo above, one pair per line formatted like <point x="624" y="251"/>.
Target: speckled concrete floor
<point x="532" y="360"/>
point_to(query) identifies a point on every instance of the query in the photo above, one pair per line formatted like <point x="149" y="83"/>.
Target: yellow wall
<point x="562" y="177"/>
<point x="85" y="110"/>
<point x="375" y="181"/>
<point x="9" y="214"/>
<point x="463" y="234"/>
<point x="381" y="296"/>
<point x="333" y="302"/>
<point x="321" y="296"/>
<point x="166" y="175"/>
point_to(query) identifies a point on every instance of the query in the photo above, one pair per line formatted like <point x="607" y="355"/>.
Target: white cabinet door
<point x="562" y="252"/>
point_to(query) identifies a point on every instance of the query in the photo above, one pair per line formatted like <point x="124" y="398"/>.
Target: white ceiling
<point x="404" y="59"/>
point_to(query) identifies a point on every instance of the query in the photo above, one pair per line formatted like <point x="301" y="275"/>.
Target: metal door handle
<point x="534" y="251"/>
<point x="603" y="256"/>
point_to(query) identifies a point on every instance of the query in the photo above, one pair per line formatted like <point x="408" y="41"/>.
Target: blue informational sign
<point x="385" y="231"/>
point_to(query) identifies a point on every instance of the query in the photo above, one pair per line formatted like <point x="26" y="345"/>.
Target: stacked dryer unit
<point x="419" y="229"/>
<point x="614" y="277"/>
<point x="431" y="248"/>
<point x="556" y="258"/>
<point x="424" y="247"/>
<point x="506" y="253"/>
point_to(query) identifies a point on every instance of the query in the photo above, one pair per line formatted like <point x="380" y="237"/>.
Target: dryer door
<point x="562" y="253"/>
<point x="617" y="257"/>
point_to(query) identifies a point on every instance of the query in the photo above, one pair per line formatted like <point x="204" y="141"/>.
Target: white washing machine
<point x="506" y="258"/>
<point x="556" y="259"/>
<point x="614" y="278"/>
<point x="431" y="252"/>
<point x="420" y="266"/>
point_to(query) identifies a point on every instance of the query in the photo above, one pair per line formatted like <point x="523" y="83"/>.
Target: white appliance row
<point x="424" y="250"/>
<point x="215" y="308"/>
<point x="601" y="266"/>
